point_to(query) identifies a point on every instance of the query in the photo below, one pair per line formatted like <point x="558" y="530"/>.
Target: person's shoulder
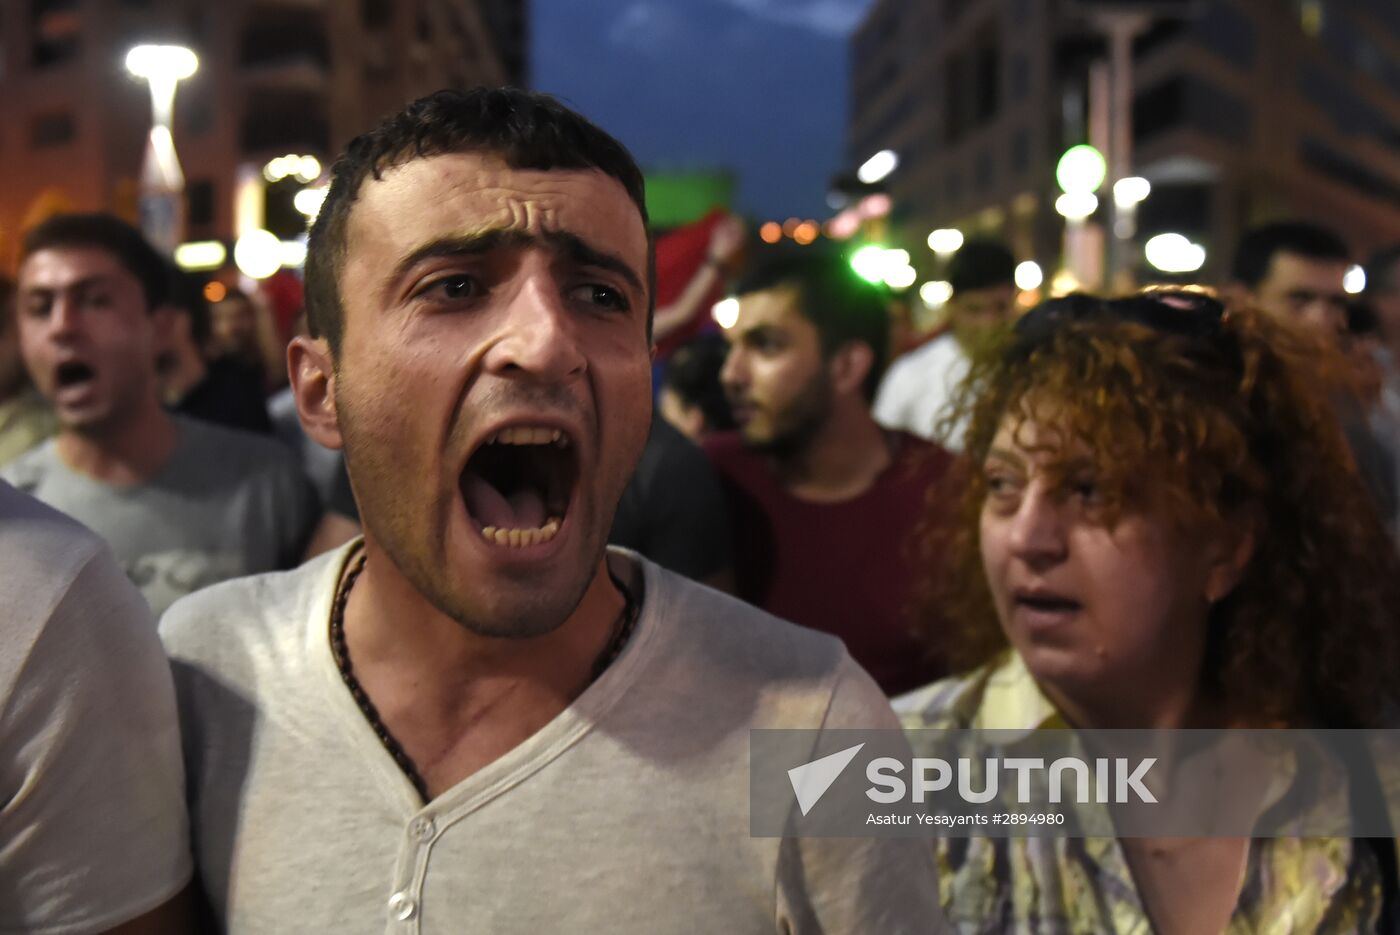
<point x="248" y="616"/>
<point x="39" y="546"/>
<point x="28" y="470"/>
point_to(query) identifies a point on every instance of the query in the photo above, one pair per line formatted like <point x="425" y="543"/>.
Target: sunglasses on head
<point x="1177" y="311"/>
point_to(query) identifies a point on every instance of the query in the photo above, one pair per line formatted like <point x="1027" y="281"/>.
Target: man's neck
<point x="126" y="454"/>
<point x="841" y="461"/>
<point x="456" y="700"/>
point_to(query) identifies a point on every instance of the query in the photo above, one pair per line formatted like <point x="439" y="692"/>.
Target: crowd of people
<point x="458" y="630"/>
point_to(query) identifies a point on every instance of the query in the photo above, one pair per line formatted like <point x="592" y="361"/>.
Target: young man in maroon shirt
<point x="824" y="503"/>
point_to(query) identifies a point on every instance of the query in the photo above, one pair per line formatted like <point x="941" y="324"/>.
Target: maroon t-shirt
<point x="847" y="568"/>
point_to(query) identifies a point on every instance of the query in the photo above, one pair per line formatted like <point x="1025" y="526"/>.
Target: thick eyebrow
<point x="87" y="282"/>
<point x="559" y="242"/>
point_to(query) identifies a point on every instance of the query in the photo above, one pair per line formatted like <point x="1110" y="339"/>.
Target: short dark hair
<point x="109" y="233"/>
<point x="981" y="264"/>
<point x="1259" y="246"/>
<point x="843" y="307"/>
<point x="693" y="374"/>
<point x="526" y="129"/>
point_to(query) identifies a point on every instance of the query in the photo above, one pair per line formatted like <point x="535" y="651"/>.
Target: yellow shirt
<point x="1083" y="886"/>
<point x="25" y="421"/>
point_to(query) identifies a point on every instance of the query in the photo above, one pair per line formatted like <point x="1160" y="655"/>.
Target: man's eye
<point x="598" y="294"/>
<point x="455" y="287"/>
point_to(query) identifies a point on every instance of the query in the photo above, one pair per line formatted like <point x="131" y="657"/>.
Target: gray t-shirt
<point x="628" y="813"/>
<point x="227" y="504"/>
<point x="92" y="814"/>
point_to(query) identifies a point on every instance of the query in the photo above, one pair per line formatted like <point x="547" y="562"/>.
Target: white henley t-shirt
<point x="628" y="813"/>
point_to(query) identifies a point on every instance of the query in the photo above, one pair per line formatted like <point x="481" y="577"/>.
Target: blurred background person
<point x="26" y="418"/>
<point x="673" y="512"/>
<point x="1383" y="299"/>
<point x="692" y="398"/>
<point x="691" y="265"/>
<point x="94" y="835"/>
<point x="915" y="394"/>
<point x="182" y="503"/>
<point x="822" y="500"/>
<point x="1160" y="527"/>
<point x="1294" y="270"/>
<point x="243" y="330"/>
<point x="222" y="389"/>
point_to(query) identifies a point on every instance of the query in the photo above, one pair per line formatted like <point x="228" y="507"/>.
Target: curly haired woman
<point x="1160" y="527"/>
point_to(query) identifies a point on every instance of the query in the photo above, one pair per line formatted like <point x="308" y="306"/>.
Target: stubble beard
<point x="522" y="607"/>
<point x="799" y="423"/>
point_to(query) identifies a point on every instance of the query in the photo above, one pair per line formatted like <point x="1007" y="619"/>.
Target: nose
<point x="539" y="338"/>
<point x="1037" y="533"/>
<point x="64" y="316"/>
<point x="734" y="373"/>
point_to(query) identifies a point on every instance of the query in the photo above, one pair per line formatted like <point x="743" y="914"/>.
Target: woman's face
<point x="1090" y="607"/>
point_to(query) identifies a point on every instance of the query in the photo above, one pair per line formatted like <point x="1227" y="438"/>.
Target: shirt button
<point x="421" y="829"/>
<point x="402" y="907"/>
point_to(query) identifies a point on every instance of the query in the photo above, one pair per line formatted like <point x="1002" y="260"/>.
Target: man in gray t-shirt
<point x="182" y="504"/>
<point x="475" y="718"/>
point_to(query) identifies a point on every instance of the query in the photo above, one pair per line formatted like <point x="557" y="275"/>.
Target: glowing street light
<point x="1131" y="191"/>
<point x="1081" y="169"/>
<point x="1173" y="253"/>
<point x="1029" y="275"/>
<point x="726" y="313"/>
<point x="258" y="254"/>
<point x="936" y="294"/>
<point x="162" y="67"/>
<point x="878" y="166"/>
<point x="1076" y="206"/>
<point x="1354" y="282"/>
<point x="945" y="240"/>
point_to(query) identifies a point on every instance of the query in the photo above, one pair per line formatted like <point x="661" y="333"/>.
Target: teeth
<point x="519" y="538"/>
<point x="525" y="435"/>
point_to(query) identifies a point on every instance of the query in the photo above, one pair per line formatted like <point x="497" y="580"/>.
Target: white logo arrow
<point x="811" y="780"/>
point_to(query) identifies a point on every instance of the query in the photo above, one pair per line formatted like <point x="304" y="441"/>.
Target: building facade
<point x="1242" y="111"/>
<point x="275" y="77"/>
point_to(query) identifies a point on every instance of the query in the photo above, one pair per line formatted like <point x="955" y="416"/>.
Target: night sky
<point x="756" y="86"/>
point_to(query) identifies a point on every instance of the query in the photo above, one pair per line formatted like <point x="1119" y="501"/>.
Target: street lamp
<point x="162" y="183"/>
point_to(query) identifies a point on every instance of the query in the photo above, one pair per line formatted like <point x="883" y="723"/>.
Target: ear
<point x="313" y="387"/>
<point x="165" y="323"/>
<point x="1229" y="557"/>
<point x="849" y="367"/>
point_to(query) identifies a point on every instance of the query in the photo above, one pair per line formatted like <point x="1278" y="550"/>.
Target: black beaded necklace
<point x="617" y="642"/>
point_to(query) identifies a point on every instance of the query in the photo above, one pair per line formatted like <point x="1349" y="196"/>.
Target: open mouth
<point x="517" y="485"/>
<point x="73" y="373"/>
<point x="1048" y="603"/>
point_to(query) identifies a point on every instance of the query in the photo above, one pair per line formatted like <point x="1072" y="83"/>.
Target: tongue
<point x="524" y="509"/>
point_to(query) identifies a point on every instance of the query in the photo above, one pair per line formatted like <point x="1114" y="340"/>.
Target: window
<point x="1020" y="77"/>
<point x="1186" y="101"/>
<point x="56" y="28"/>
<point x="1020" y="152"/>
<point x="376" y="14"/>
<point x="984" y="172"/>
<point x="1227" y="32"/>
<point x="52" y="129"/>
<point x="199" y="203"/>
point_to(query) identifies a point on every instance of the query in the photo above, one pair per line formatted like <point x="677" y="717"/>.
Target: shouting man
<point x="479" y="718"/>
